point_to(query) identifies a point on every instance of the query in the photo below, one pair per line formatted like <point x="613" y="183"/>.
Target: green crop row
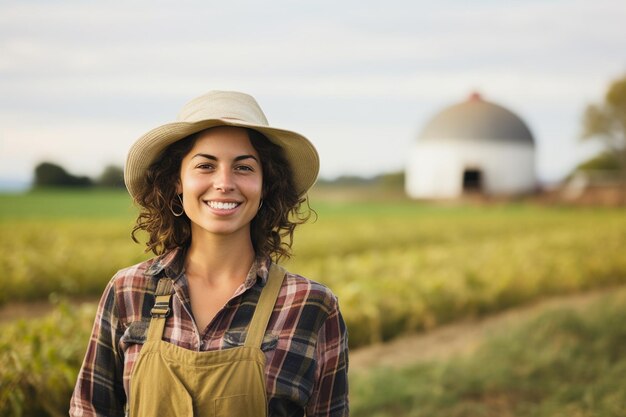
<point x="419" y="274"/>
<point x="40" y="359"/>
<point x="73" y="258"/>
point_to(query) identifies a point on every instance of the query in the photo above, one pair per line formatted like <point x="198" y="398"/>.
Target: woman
<point x="212" y="326"/>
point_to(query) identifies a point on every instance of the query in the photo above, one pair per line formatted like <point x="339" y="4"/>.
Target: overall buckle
<point x="161" y="308"/>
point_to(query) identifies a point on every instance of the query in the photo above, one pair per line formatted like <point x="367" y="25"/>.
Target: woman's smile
<point x="223" y="207"/>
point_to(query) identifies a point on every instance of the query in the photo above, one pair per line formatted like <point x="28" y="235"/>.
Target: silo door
<point x="472" y="180"/>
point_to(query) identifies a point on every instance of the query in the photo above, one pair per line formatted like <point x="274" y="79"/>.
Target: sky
<point x="80" y="81"/>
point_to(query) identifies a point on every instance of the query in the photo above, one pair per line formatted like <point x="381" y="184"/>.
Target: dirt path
<point x="462" y="337"/>
<point x="30" y="310"/>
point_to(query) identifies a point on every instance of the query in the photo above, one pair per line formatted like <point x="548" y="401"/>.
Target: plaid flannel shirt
<point x="305" y="343"/>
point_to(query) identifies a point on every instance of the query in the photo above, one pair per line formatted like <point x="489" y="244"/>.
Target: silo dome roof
<point x="477" y="119"/>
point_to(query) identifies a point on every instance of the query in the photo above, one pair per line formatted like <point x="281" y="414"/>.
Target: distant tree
<point x="607" y="122"/>
<point x="48" y="174"/>
<point x="112" y="176"/>
<point x="605" y="161"/>
<point x="391" y="179"/>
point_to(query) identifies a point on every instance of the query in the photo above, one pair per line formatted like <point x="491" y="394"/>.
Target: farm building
<point x="472" y="147"/>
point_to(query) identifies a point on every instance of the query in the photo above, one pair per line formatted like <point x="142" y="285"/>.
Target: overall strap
<point x="161" y="309"/>
<point x="265" y="306"/>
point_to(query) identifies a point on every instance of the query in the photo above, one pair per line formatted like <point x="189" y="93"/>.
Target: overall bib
<point x="172" y="381"/>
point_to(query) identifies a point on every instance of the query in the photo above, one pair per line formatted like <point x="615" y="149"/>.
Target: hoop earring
<point x="260" y="205"/>
<point x="182" y="209"/>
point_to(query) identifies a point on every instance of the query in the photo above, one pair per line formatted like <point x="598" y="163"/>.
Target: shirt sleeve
<point x="330" y="394"/>
<point x="99" y="389"/>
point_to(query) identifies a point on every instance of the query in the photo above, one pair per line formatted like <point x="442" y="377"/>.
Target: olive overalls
<point x="172" y="381"/>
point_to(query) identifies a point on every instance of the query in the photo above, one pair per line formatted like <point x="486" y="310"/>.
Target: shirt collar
<point x="258" y="272"/>
<point x="172" y="263"/>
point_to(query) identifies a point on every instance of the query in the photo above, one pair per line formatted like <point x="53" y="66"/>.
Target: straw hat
<point x="221" y="108"/>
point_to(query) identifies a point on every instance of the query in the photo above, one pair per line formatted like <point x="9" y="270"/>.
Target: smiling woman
<point x="220" y="193"/>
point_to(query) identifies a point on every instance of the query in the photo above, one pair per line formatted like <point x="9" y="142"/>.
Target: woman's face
<point x="221" y="182"/>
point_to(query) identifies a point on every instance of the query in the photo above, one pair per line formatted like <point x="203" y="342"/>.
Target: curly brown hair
<point x="271" y="230"/>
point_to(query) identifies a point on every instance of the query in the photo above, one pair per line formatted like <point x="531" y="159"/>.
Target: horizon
<point x="9" y="186"/>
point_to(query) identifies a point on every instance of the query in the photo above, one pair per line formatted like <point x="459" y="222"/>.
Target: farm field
<point x="397" y="266"/>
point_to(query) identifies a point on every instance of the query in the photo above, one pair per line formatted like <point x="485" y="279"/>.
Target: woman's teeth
<point x="222" y="206"/>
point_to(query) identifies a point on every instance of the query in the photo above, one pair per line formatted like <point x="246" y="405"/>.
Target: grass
<point x="52" y="204"/>
<point x="563" y="363"/>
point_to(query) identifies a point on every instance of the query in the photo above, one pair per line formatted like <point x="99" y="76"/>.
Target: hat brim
<point x="298" y="150"/>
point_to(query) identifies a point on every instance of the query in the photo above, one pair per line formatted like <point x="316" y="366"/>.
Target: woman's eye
<point x="244" y="168"/>
<point x="204" y="166"/>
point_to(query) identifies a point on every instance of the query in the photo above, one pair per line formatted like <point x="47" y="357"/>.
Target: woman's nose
<point x="224" y="180"/>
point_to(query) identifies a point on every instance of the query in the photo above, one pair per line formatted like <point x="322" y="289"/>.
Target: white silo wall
<point x="435" y="167"/>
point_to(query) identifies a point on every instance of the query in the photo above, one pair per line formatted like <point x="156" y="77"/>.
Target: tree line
<point x="48" y="174"/>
